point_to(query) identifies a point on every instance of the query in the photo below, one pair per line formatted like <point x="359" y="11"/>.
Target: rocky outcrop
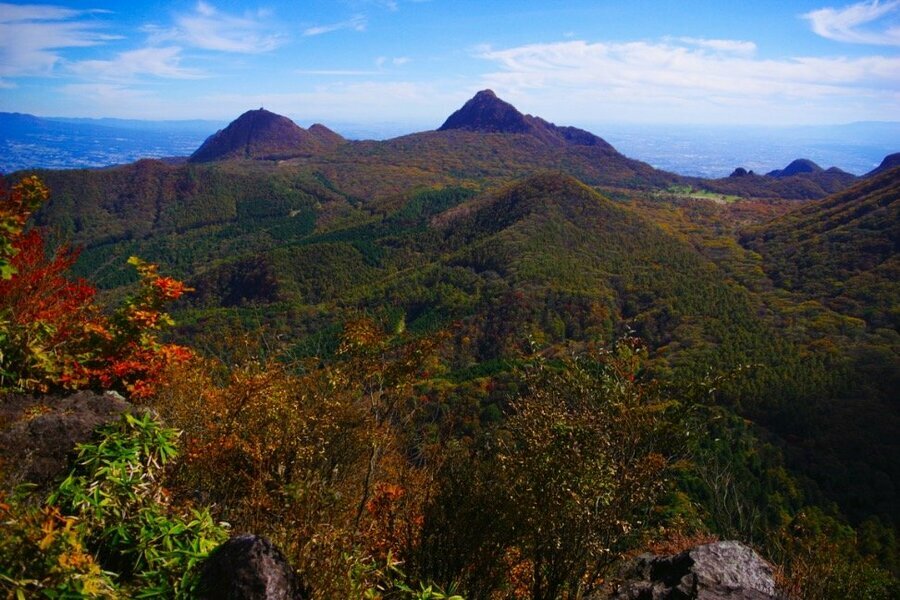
<point x="719" y="571"/>
<point x="39" y="434"/>
<point x="248" y="567"/>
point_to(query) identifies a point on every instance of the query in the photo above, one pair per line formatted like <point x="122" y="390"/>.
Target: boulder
<point x="248" y="567"/>
<point x="719" y="571"/>
<point x="38" y="434"/>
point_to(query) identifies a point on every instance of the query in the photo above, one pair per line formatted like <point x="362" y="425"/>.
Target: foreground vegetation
<point x="518" y="453"/>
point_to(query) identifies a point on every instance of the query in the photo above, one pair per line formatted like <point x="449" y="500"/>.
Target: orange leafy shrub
<point x="52" y="333"/>
<point x="315" y="456"/>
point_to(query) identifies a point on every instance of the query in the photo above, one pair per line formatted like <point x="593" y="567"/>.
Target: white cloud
<point x="355" y="23"/>
<point x="849" y="24"/>
<point x="157" y="62"/>
<point x="677" y="79"/>
<point x="12" y="13"/>
<point x="210" y="29"/>
<point x="32" y="35"/>
<point x="340" y="101"/>
<point x="336" y="72"/>
<point x="111" y="91"/>
<point x="726" y="46"/>
<point x="115" y="100"/>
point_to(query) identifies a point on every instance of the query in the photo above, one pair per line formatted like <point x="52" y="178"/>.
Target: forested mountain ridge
<point x="890" y="161"/>
<point x="842" y="250"/>
<point x="260" y="134"/>
<point x="514" y="247"/>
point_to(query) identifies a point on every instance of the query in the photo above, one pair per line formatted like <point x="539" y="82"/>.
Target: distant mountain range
<point x="707" y="151"/>
<point x="27" y="141"/>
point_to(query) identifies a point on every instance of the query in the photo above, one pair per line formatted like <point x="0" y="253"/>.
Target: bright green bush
<point x="109" y="529"/>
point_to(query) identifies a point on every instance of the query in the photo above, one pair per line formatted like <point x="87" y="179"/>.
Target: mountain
<point x="20" y="122"/>
<point x="801" y="165"/>
<point x="27" y="141"/>
<point x="261" y="134"/>
<point x="890" y="161"/>
<point x="510" y="238"/>
<point x="842" y="250"/>
<point x="327" y="138"/>
<point x="802" y="179"/>
<point x="838" y="257"/>
<point x="500" y="239"/>
<point x="486" y="113"/>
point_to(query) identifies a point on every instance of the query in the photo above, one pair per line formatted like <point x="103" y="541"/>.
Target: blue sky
<point x="413" y="62"/>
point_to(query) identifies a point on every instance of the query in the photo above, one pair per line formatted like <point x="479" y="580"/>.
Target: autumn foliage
<point x="53" y="335"/>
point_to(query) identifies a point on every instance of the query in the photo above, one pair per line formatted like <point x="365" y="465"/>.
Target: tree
<point x="583" y="458"/>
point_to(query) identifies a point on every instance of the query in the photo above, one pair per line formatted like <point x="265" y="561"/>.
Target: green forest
<point x="435" y="368"/>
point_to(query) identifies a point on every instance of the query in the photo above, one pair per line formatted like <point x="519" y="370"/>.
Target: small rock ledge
<point x="719" y="571"/>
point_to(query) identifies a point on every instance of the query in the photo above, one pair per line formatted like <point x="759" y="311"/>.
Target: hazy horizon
<point x="695" y="150"/>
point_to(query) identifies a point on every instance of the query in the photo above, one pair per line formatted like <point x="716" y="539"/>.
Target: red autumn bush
<point x="52" y="333"/>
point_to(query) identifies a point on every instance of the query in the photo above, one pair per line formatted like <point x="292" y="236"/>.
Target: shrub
<point x="109" y="529"/>
<point x="53" y="335"/>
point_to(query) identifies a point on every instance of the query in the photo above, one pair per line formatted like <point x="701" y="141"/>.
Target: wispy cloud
<point x="682" y="76"/>
<point x="108" y="91"/>
<point x="396" y="61"/>
<point x="208" y="28"/>
<point x="106" y="99"/>
<point x="355" y="23"/>
<point x="13" y="13"/>
<point x="727" y="46"/>
<point x="341" y="101"/>
<point x="31" y="37"/>
<point x="337" y="72"/>
<point x="156" y="62"/>
<point x="860" y="23"/>
<point x="381" y="62"/>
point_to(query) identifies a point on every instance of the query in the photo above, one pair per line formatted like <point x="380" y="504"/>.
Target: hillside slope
<point x="842" y="250"/>
<point x="260" y="134"/>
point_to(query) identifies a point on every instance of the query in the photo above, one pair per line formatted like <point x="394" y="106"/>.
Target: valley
<point x="764" y="306"/>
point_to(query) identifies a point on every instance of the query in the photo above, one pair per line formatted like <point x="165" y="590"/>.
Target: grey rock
<point x="248" y="567"/>
<point x="719" y="571"/>
<point x="38" y="434"/>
